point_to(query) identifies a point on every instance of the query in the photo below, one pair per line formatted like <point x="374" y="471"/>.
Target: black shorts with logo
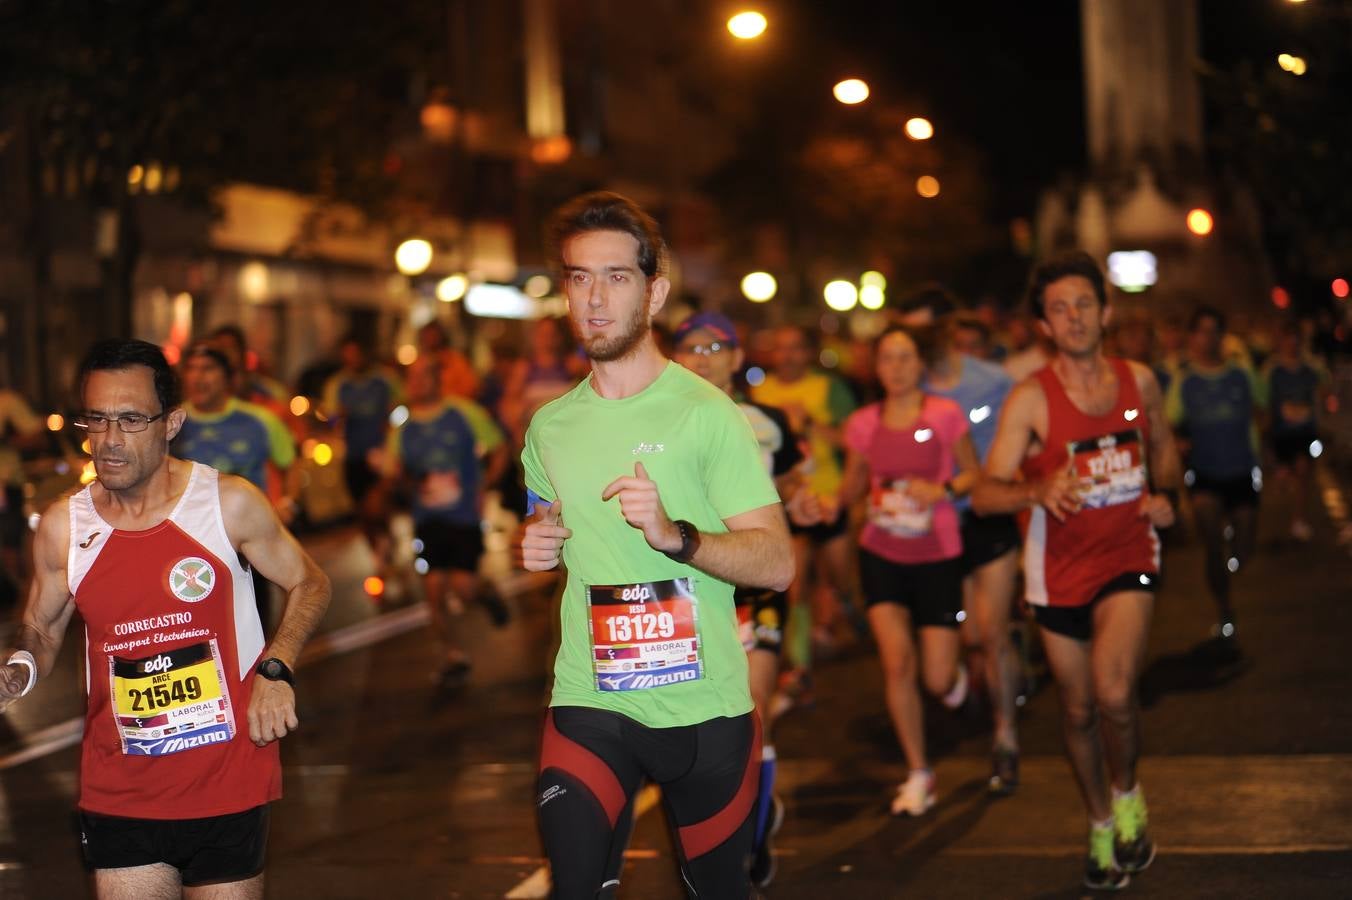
<point x="1077" y="622"/>
<point x="932" y="591"/>
<point x="446" y="545"/>
<point x="986" y="539"/>
<point x="211" y="850"/>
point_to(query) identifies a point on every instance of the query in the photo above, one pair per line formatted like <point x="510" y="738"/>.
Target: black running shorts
<point x="1232" y="493"/>
<point x="1077" y="622"/>
<point x="986" y="539"/>
<point x="446" y="545"/>
<point x="932" y="591"/>
<point x="592" y="763"/>
<point x="761" y="618"/>
<point x="212" y="850"/>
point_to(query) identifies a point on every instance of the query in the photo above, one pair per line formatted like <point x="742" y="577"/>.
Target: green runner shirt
<point x="699" y="448"/>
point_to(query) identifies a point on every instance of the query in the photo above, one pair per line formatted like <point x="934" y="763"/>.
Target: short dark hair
<point x="607" y="211"/>
<point x="939" y="300"/>
<point x="119" y="353"/>
<point x="970" y="322"/>
<point x="1076" y="262"/>
<point x="1206" y="312"/>
<point x="234" y="333"/>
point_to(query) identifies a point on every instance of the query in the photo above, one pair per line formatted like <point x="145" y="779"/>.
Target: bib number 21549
<point x="644" y="635"/>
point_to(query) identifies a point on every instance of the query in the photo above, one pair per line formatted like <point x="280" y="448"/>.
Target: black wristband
<point x="689" y="542"/>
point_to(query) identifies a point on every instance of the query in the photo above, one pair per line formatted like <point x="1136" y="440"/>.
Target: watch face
<point x="272" y="669"/>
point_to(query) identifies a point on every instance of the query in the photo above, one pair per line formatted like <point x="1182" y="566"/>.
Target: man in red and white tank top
<point x="185" y="702"/>
<point x="1084" y="454"/>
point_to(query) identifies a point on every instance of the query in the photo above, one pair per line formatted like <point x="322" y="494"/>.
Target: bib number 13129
<point x="644" y="635"/>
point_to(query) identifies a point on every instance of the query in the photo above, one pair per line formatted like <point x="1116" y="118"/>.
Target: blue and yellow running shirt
<point x="364" y="403"/>
<point x="239" y="440"/>
<point x="1215" y="409"/>
<point x="440" y="450"/>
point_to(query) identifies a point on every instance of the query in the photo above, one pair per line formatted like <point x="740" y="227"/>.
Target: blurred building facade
<point x="1148" y="169"/>
<point x="530" y="103"/>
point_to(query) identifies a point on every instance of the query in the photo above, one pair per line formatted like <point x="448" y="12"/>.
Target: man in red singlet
<point x="186" y="701"/>
<point x="1089" y="438"/>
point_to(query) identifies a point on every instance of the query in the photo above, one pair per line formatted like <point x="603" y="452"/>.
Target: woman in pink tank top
<point x="911" y="456"/>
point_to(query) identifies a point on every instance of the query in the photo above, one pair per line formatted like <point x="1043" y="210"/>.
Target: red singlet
<point x="1066" y="564"/>
<point x="172" y="637"/>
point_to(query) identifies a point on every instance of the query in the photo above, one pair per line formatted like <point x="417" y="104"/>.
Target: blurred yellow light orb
<point x="927" y="186"/>
<point x="840" y="295"/>
<point x="747" y="25"/>
<point x="919" y="129"/>
<point x="851" y="91"/>
<point x="759" y="287"/>
<point x="452" y="288"/>
<point x="413" y="256"/>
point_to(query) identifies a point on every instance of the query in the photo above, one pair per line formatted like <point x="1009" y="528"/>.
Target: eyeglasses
<point x="705" y="349"/>
<point x="129" y="423"/>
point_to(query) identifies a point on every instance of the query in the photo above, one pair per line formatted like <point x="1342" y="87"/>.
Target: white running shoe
<point x="957" y="694"/>
<point x="916" y="795"/>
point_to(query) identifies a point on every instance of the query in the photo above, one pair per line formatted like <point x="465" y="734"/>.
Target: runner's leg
<point x="1121" y="627"/>
<point x="588" y="778"/>
<point x="891" y="624"/>
<point x="992" y="599"/>
<point x="939" y="648"/>
<point x="1069" y="660"/>
<point x="1210" y="516"/>
<point x="248" y="889"/>
<point x="156" y="882"/>
<point x="710" y="806"/>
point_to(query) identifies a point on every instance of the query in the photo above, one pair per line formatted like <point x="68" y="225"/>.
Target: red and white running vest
<point x="172" y="637"/>
<point x="1067" y="563"/>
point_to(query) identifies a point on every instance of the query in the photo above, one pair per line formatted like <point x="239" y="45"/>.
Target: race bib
<point x="645" y="635"/>
<point x="1111" y="469"/>
<point x="172" y="701"/>
<point x="898" y="514"/>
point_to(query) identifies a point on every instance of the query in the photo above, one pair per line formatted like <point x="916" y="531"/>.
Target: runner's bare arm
<point x="999" y="490"/>
<point x="49" y="607"/>
<point x="1166" y="469"/>
<point x="755" y="552"/>
<point x="855" y="480"/>
<point x="260" y="537"/>
<point x="257" y="533"/>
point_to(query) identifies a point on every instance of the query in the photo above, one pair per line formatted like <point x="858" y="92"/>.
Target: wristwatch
<point x="689" y="542"/>
<point x="273" y="669"/>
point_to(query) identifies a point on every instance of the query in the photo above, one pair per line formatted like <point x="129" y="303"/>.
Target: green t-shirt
<point x="699" y="448"/>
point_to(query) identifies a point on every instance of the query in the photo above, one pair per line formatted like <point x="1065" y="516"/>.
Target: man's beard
<point x="603" y="349"/>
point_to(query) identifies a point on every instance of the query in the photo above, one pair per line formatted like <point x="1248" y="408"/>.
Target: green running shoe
<point x="1101" y="872"/>
<point x="1133" y="847"/>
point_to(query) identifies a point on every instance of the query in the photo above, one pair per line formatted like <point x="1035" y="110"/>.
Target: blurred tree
<point x="114" y="99"/>
<point x="1289" y="138"/>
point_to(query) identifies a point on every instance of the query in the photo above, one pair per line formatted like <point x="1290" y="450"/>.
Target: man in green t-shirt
<point x="647" y="482"/>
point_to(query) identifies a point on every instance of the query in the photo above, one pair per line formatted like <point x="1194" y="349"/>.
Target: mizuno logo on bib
<point x="171" y="701"/>
<point x="645" y="635"/>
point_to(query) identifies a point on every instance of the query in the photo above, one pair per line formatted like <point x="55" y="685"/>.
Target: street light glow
<point x="840" y="295"/>
<point x="874" y="278"/>
<point x="413" y="256"/>
<point x="452" y="288"/>
<point x="871" y="297"/>
<point x="851" y="91"/>
<point x="1200" y="222"/>
<point x="1293" y="64"/>
<point x="1341" y="288"/>
<point x="758" y="287"/>
<point x="927" y="186"/>
<point x="747" y="26"/>
<point x="919" y="129"/>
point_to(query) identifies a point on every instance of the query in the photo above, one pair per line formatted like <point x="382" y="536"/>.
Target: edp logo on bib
<point x="192" y="579"/>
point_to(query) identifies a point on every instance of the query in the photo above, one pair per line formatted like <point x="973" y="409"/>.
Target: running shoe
<point x="1101" y="871"/>
<point x="763" y="864"/>
<point x="1134" y="849"/>
<point x="916" y="795"/>
<point x="957" y="694"/>
<point x="1004" y="772"/>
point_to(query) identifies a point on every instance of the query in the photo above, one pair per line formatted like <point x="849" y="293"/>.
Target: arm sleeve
<point x="537" y="482"/>
<point x="281" y="448"/>
<point x="487" y="435"/>
<point x="735" y="480"/>
<point x="1173" y="401"/>
<point x="839" y="400"/>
